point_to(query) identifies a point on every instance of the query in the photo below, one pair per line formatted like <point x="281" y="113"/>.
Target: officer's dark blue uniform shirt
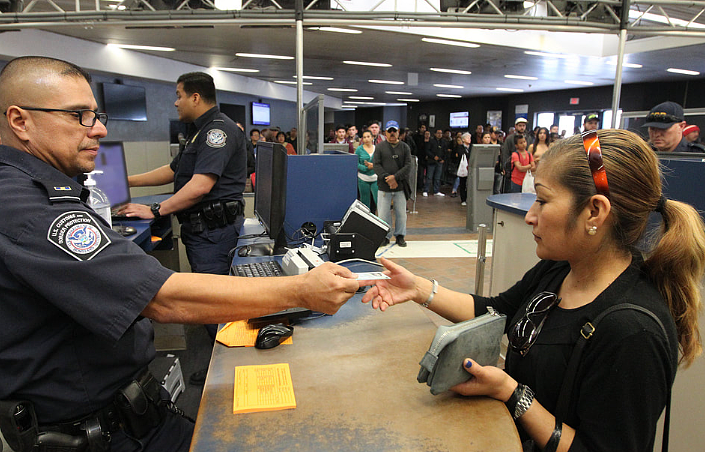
<point x="217" y="147"/>
<point x="71" y="294"/>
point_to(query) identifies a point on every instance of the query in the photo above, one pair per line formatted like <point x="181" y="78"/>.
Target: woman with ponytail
<point x="590" y="222"/>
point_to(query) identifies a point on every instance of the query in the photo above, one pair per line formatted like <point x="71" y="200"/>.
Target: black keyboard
<point x="255" y="269"/>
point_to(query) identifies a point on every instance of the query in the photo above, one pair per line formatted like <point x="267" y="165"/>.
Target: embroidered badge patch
<point x="78" y="234"/>
<point x="216" y="138"/>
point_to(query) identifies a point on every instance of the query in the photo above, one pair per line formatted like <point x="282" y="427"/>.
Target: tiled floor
<point x="442" y="218"/>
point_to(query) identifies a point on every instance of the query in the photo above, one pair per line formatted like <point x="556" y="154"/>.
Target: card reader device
<point x="298" y="261"/>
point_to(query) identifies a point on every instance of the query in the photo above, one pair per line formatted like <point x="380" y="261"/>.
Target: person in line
<point x="540" y="145"/>
<point x="591" y="122"/>
<point x="391" y="162"/>
<point x="522" y="161"/>
<point x="454" y="161"/>
<point x="435" y="157"/>
<point x="691" y="133"/>
<point x="463" y="150"/>
<point x="281" y="139"/>
<point x="366" y="176"/>
<point x="589" y="227"/>
<point x="76" y="298"/>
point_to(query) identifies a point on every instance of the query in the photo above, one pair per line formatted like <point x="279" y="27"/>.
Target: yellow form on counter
<point x="263" y="388"/>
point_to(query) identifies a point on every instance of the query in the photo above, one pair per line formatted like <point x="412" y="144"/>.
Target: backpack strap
<point x="586" y="332"/>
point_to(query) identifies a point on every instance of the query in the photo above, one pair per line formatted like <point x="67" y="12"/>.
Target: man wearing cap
<point x="508" y="147"/>
<point x="665" y="122"/>
<point x="691" y="133"/>
<point x="392" y="162"/>
<point x="591" y="122"/>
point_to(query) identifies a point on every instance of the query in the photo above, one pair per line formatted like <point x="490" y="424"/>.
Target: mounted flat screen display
<point x="459" y="120"/>
<point x="260" y="114"/>
<point x="125" y="102"/>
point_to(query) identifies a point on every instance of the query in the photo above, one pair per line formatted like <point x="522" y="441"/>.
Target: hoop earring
<point x="592" y="230"/>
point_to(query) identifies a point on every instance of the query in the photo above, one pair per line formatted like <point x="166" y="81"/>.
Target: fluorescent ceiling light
<point x="578" y="82"/>
<point x="451" y="71"/>
<point x="235" y="69"/>
<point x="361" y="97"/>
<point x="399" y="93"/>
<point x="451" y="43"/>
<point x="386" y="82"/>
<point x="135" y="47"/>
<point x="262" y="55"/>
<point x="521" y="77"/>
<point x="365" y="63"/>
<point x="289" y="82"/>
<point x="336" y="30"/>
<point x="315" y="77"/>
<point x="682" y="71"/>
<point x="440" y="85"/>
<point x="631" y="65"/>
<point x="545" y="54"/>
<point x="448" y="95"/>
<point x="511" y="90"/>
<point x="408" y="100"/>
<point x="350" y="90"/>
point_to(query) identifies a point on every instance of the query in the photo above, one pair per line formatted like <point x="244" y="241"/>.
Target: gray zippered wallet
<point x="478" y="338"/>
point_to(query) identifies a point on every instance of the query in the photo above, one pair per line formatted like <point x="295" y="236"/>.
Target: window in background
<point x="607" y="119"/>
<point x="544" y="120"/>
<point x="566" y="123"/>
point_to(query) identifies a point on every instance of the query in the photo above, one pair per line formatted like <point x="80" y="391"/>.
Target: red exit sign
<point x="574" y="100"/>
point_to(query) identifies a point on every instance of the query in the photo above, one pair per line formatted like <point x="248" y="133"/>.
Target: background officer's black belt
<point x="212" y="214"/>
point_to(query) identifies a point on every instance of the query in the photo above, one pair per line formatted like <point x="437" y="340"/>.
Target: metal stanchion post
<point x="413" y="171"/>
<point x="481" y="258"/>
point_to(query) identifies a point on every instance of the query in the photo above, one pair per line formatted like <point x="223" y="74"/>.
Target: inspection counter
<point x="354" y="377"/>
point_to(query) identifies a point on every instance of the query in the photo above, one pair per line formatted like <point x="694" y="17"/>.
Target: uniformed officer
<point x="209" y="178"/>
<point x="76" y="298"/>
<point x="666" y="122"/>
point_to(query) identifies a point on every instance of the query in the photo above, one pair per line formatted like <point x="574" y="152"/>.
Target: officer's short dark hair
<point x="199" y="82"/>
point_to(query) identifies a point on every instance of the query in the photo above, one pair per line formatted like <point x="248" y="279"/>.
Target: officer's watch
<point x="155" y="209"/>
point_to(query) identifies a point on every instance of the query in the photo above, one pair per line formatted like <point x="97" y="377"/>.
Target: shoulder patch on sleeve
<point x="216" y="138"/>
<point x="78" y="235"/>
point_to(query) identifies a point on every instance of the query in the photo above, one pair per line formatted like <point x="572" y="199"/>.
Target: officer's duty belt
<point x="136" y="408"/>
<point x="212" y="215"/>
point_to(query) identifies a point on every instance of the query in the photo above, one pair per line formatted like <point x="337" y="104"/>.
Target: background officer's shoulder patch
<point x="216" y="138"/>
<point x="78" y="234"/>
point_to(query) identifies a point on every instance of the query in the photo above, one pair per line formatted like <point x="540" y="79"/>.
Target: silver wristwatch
<point x="524" y="402"/>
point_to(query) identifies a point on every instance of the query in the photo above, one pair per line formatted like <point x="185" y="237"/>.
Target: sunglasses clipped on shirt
<point x="524" y="333"/>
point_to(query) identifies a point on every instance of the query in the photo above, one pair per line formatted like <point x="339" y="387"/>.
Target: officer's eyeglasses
<point x="86" y="117"/>
<point x="524" y="333"/>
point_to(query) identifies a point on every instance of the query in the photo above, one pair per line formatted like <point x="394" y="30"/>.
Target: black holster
<point x="18" y="423"/>
<point x="139" y="405"/>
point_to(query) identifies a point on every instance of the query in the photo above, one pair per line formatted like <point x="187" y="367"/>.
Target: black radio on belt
<point x="212" y="215"/>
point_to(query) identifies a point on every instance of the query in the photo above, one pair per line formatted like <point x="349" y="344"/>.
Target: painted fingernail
<point x="468" y="364"/>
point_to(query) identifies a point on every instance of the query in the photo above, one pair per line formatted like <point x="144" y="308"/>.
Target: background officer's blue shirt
<point x="219" y="148"/>
<point x="70" y="327"/>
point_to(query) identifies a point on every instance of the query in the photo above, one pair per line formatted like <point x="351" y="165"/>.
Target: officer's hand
<point x="326" y="288"/>
<point x="136" y="210"/>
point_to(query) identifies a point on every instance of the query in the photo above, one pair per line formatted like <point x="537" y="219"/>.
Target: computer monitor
<point x="336" y="148"/>
<point x="113" y="181"/>
<point x="270" y="191"/>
